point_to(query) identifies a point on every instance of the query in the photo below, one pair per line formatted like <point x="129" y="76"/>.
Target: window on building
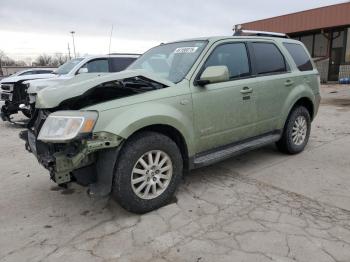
<point x="338" y="39"/>
<point x="234" y="56"/>
<point x="299" y="56"/>
<point x="308" y="42"/>
<point x="268" y="58"/>
<point x="321" y="46"/>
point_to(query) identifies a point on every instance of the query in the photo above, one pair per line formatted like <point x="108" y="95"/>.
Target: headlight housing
<point x="63" y="126"/>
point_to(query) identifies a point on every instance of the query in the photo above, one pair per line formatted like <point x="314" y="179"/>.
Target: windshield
<point x="68" y="66"/>
<point x="170" y="61"/>
<point x="19" y="73"/>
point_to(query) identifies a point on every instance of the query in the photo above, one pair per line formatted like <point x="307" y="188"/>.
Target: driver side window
<point x="234" y="56"/>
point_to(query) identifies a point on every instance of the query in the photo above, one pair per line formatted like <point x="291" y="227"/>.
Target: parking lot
<point x="261" y="206"/>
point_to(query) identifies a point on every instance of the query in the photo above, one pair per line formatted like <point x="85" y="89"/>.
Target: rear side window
<point x="120" y="63"/>
<point x="268" y="58"/>
<point x="299" y="55"/>
<point x="234" y="56"/>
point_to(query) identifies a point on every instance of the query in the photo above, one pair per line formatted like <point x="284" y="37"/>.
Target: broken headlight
<point x="63" y="126"/>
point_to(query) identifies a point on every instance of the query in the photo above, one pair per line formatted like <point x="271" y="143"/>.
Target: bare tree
<point x="47" y="60"/>
<point x="59" y="59"/>
<point x="7" y="61"/>
<point x="43" y="60"/>
<point x="2" y="54"/>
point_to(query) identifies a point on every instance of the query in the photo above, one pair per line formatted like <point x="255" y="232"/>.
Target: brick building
<point x="325" y="31"/>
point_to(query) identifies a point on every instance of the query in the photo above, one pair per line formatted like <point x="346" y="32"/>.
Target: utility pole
<point x="69" y="52"/>
<point x="72" y="32"/>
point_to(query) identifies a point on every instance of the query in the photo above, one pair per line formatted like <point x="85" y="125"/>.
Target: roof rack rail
<point x="238" y="31"/>
<point x="123" y="54"/>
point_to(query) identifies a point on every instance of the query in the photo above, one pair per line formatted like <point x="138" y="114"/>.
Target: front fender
<point x="174" y="112"/>
<point x="298" y="92"/>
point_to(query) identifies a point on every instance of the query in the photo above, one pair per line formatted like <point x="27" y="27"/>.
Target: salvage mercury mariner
<point x="180" y="106"/>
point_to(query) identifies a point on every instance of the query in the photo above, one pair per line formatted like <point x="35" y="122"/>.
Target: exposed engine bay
<point x="83" y="159"/>
<point x="110" y="91"/>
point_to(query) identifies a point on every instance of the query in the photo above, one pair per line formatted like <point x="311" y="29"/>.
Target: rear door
<point x="273" y="76"/>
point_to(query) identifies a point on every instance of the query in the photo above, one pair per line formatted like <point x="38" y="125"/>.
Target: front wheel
<point x="296" y="131"/>
<point x="26" y="113"/>
<point x="148" y="172"/>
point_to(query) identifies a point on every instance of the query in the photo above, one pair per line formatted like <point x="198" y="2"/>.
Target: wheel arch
<point x="171" y="132"/>
<point x="307" y="103"/>
<point x="301" y="101"/>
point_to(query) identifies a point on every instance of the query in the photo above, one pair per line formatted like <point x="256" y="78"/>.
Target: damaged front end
<point x="16" y="100"/>
<point x="61" y="134"/>
<point x="88" y="159"/>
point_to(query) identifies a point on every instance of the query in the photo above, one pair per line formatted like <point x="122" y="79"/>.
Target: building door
<point x="337" y="54"/>
<point x="334" y="63"/>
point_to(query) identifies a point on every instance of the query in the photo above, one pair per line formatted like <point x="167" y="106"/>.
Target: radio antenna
<point x="110" y="40"/>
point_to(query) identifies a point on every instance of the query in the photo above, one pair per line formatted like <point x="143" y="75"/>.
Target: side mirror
<point x="83" y="70"/>
<point x="214" y="74"/>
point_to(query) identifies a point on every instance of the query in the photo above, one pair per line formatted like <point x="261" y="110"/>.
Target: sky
<point x="32" y="27"/>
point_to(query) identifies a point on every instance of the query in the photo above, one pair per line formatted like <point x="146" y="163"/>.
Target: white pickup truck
<point x="19" y="95"/>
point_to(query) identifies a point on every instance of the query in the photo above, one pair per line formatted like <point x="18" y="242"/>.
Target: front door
<point x="225" y="112"/>
<point x="334" y="63"/>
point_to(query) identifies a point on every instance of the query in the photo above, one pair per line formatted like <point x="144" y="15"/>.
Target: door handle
<point x="289" y="83"/>
<point x="246" y="90"/>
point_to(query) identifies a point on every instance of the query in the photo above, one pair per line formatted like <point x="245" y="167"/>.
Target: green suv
<point x="180" y="106"/>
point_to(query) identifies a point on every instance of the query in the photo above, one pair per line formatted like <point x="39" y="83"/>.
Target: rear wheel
<point x="296" y="131"/>
<point x="148" y="172"/>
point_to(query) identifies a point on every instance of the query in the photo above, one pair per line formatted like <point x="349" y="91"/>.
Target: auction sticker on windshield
<point x="185" y="50"/>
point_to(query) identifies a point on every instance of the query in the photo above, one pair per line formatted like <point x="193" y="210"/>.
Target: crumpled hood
<point x="52" y="96"/>
<point x="13" y="79"/>
<point x="38" y="84"/>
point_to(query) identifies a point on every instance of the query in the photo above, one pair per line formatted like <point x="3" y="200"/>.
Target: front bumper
<point x="7" y="109"/>
<point x="87" y="161"/>
<point x="6" y="96"/>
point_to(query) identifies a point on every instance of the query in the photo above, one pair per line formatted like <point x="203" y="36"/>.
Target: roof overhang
<point x="309" y="20"/>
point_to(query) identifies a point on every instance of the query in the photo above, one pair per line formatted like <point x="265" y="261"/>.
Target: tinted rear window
<point x="268" y="58"/>
<point x="120" y="63"/>
<point x="299" y="56"/>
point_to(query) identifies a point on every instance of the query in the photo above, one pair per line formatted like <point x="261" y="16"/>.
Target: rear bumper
<point x="317" y="104"/>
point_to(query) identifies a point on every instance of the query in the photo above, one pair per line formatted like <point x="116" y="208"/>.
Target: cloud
<point x="138" y="20"/>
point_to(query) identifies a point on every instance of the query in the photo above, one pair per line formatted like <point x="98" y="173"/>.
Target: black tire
<point x="286" y="143"/>
<point x="26" y="113"/>
<point x="132" y="151"/>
